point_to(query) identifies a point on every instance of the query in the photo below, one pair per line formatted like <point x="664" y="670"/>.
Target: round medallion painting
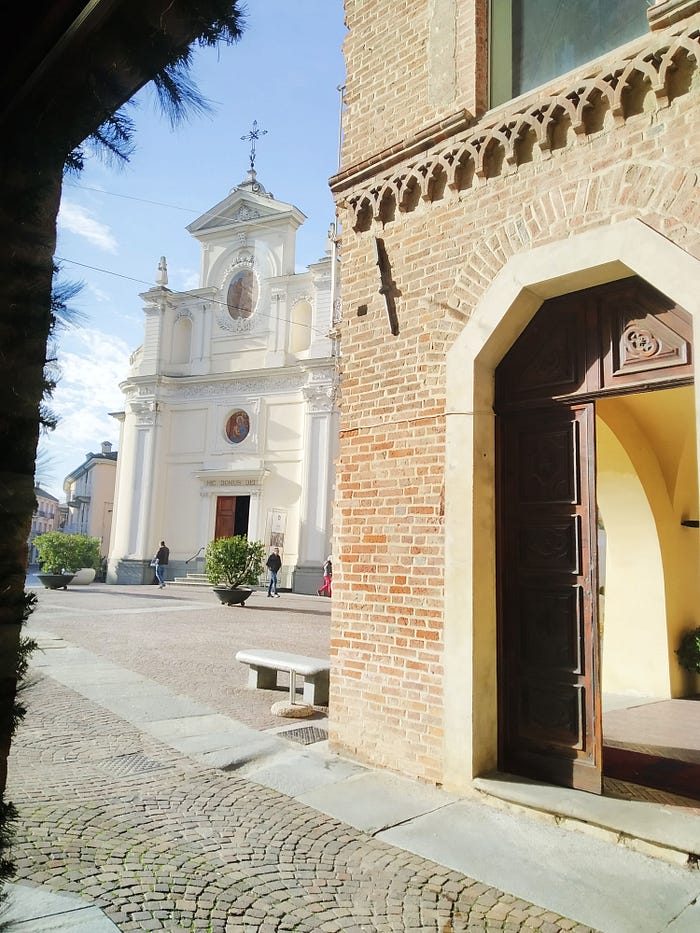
<point x="238" y="426"/>
<point x="242" y="295"/>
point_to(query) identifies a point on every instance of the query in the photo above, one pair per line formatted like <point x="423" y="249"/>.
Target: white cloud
<point x="99" y="294"/>
<point x="80" y="221"/>
<point x="184" y="279"/>
<point x="92" y="366"/>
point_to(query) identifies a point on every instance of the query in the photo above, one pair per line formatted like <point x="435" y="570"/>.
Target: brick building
<point x="520" y="225"/>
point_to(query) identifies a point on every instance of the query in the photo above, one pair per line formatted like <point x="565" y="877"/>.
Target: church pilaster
<point x="320" y="432"/>
<point x="278" y="354"/>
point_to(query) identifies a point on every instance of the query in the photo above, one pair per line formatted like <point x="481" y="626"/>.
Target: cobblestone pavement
<point x="161" y="843"/>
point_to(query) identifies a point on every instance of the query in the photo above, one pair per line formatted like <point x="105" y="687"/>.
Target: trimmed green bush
<point x="689" y="651"/>
<point x="58" y="552"/>
<point x="234" y="561"/>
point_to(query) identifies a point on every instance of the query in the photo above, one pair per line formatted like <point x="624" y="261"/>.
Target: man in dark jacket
<point x="274" y="562"/>
<point x="162" y="556"/>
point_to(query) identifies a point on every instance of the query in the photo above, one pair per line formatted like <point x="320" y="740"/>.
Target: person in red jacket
<point x="326" y="589"/>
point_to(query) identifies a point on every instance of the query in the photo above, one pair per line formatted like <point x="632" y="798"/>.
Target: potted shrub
<point x="62" y="555"/>
<point x="689" y="651"/>
<point x="232" y="565"/>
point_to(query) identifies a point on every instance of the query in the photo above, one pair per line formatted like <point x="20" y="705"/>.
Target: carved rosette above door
<point x="616" y="338"/>
<point x="644" y="344"/>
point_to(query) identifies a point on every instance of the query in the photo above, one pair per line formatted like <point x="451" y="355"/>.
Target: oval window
<point x="242" y="294"/>
<point x="238" y="426"/>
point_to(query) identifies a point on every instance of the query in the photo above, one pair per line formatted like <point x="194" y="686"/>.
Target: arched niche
<point x="300" y="329"/>
<point x="182" y="340"/>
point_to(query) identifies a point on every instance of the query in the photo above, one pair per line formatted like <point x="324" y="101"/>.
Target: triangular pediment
<point x="244" y="208"/>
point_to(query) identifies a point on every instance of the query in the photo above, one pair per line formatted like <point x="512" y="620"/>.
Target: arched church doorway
<point x="596" y="470"/>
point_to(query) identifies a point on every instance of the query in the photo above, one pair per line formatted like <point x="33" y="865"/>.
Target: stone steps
<point x="192" y="579"/>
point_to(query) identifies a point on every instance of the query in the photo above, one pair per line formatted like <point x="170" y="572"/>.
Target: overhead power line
<point x="216" y="301"/>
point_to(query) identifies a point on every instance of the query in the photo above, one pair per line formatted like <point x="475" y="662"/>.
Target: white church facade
<point x="230" y="420"/>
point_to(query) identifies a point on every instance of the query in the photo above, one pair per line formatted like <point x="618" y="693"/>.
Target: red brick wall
<point x="386" y="687"/>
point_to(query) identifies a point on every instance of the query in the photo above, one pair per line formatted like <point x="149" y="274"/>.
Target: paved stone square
<point x="158" y="842"/>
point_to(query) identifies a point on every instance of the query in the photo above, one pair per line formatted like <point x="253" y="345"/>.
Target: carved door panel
<point x="550" y="716"/>
<point x="645" y="339"/>
<point x="225" y="516"/>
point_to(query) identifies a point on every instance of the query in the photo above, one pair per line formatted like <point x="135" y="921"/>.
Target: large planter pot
<point x="55" y="581"/>
<point x="232" y="597"/>
<point x="84" y="576"/>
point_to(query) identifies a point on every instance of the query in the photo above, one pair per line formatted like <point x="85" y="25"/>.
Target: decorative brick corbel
<point x="666" y="12"/>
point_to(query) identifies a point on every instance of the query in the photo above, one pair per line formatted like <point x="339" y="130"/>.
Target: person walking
<point x="326" y="589"/>
<point x="274" y="562"/>
<point x="161" y="559"/>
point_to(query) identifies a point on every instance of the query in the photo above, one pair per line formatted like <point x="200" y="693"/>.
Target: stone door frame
<point x="525" y="281"/>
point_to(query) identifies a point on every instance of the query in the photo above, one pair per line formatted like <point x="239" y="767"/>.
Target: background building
<point x="521" y="268"/>
<point x="230" y="422"/>
<point x="89" y="493"/>
<point x="45" y="518"/>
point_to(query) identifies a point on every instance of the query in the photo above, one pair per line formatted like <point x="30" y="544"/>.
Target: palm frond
<point x="178" y="95"/>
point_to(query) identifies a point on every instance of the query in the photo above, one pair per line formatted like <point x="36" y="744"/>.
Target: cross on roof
<point x="253" y="135"/>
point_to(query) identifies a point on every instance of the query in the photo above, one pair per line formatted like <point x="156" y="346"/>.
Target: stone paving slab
<point x="605" y="886"/>
<point x="34" y="909"/>
<point x="687" y="922"/>
<point x="636" y="819"/>
<point x="302" y="773"/>
<point x="374" y="800"/>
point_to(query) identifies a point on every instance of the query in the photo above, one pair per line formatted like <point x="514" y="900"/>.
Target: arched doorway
<point x="579" y="350"/>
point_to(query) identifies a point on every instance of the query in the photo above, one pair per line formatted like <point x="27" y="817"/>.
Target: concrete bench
<point x="265" y="665"/>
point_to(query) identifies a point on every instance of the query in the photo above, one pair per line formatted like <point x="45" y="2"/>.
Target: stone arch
<point x="499" y="315"/>
<point x="679" y="66"/>
<point x="627" y="190"/>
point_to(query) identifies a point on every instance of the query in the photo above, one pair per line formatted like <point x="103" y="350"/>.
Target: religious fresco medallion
<point x="242" y="295"/>
<point x="238" y="426"/>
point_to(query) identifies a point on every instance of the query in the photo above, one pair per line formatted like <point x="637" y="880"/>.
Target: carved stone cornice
<point x="144" y="411"/>
<point x="451" y="159"/>
<point x="257" y="386"/>
<point x="392" y="155"/>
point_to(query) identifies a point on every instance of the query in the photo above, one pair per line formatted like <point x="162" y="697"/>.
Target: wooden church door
<point x="225" y="516"/>
<point x="607" y="340"/>
<point x="550" y="707"/>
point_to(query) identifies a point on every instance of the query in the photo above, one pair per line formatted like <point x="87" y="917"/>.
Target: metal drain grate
<point x="133" y="763"/>
<point x="305" y="736"/>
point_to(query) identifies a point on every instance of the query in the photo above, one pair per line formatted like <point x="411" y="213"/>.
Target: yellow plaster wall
<point x="647" y="483"/>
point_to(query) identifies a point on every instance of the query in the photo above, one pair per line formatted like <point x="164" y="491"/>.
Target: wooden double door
<point x="232" y="514"/>
<point x="610" y="340"/>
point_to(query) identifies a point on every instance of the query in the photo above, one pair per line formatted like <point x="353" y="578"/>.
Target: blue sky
<point x="284" y="73"/>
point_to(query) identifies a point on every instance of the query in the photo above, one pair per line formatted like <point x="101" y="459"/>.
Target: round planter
<point x="232" y="597"/>
<point x="84" y="576"/>
<point x="55" y="581"/>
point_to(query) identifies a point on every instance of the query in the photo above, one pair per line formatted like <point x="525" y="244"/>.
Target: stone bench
<point x="265" y="665"/>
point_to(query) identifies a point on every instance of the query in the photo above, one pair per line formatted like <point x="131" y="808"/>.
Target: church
<point x="230" y="420"/>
